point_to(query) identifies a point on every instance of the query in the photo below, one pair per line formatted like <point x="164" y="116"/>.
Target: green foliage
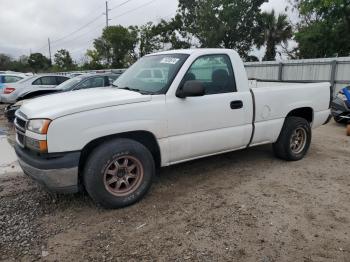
<point x="116" y="46"/>
<point x="324" y="29"/>
<point x="5" y="62"/>
<point x="38" y="62"/>
<point x="172" y="34"/>
<point x="63" y="60"/>
<point x="93" y="60"/>
<point x="148" y="39"/>
<point x="275" y="30"/>
<point x="222" y="23"/>
<point x="19" y="65"/>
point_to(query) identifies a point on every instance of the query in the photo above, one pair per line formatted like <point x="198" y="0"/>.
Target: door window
<point x="215" y="72"/>
<point x="92" y="83"/>
<point x="46" y="81"/>
<point x="112" y="78"/>
<point x="61" y="79"/>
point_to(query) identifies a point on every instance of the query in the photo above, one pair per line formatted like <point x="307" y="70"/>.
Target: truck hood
<point x="58" y="105"/>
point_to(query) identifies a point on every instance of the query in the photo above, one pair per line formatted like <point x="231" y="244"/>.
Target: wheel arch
<point x="303" y="112"/>
<point x="145" y="138"/>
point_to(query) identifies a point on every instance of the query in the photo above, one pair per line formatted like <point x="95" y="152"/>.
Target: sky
<point x="26" y="25"/>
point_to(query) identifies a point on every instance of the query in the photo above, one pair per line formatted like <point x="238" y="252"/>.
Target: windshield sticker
<point x="169" y="60"/>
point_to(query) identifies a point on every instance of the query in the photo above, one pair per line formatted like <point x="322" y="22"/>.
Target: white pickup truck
<point x="111" y="141"/>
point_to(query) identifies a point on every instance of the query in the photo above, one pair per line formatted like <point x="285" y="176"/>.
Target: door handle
<point x="238" y="104"/>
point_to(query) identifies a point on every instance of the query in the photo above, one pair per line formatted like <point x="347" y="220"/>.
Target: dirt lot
<point x="242" y="206"/>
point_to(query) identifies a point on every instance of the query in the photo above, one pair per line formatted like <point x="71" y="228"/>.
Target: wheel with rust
<point x="119" y="173"/>
<point x="348" y="129"/>
<point x="294" y="140"/>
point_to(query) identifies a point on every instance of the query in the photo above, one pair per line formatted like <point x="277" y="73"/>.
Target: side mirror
<point x="191" y="88"/>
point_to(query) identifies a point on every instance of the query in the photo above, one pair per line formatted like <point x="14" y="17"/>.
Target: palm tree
<point x="275" y="31"/>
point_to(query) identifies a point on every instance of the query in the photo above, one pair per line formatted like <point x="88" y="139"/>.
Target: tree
<point x="251" y="58"/>
<point x="93" y="60"/>
<point x="222" y="23"/>
<point x="324" y="28"/>
<point x="275" y="30"/>
<point x="149" y="40"/>
<point x="116" y="45"/>
<point x="38" y="62"/>
<point x="5" y="62"/>
<point x="63" y="60"/>
<point x="173" y="33"/>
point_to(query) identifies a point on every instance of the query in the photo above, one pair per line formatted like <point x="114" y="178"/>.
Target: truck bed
<point x="258" y="84"/>
<point x="274" y="100"/>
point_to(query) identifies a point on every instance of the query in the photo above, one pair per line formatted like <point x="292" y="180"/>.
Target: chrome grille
<point x="20" y="124"/>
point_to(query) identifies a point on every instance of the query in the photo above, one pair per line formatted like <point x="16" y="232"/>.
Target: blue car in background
<point x="341" y="108"/>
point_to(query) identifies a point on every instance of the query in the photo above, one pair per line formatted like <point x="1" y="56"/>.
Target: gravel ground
<point x="241" y="206"/>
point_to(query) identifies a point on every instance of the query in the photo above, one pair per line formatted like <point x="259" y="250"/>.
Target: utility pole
<point x="48" y="40"/>
<point x="106" y="14"/>
<point x="107" y="20"/>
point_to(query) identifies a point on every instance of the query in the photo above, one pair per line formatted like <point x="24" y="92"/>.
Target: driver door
<point x="213" y="123"/>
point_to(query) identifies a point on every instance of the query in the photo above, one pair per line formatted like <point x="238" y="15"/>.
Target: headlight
<point x="39" y="126"/>
<point x="36" y="145"/>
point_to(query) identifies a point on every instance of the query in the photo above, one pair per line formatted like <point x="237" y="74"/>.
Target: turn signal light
<point x="9" y="90"/>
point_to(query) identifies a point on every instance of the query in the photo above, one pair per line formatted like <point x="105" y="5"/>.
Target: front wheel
<point x="294" y="140"/>
<point x="118" y="173"/>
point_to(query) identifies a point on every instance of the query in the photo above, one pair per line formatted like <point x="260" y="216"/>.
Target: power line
<point x="119" y="5"/>
<point x="134" y="9"/>
<point x="77" y="30"/>
<point x="79" y="36"/>
<point x="62" y="39"/>
<point x="120" y="15"/>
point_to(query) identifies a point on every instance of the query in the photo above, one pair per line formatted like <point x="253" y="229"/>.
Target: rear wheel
<point x="119" y="173"/>
<point x="294" y="140"/>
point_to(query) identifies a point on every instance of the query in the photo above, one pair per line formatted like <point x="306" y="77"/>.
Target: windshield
<point x="69" y="84"/>
<point x="152" y="74"/>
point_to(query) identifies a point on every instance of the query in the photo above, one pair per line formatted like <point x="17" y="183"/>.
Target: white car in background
<point x="7" y="78"/>
<point x="11" y="92"/>
<point x="10" y="78"/>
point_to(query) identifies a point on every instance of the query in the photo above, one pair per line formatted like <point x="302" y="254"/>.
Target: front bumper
<point x="58" y="173"/>
<point x="6" y="99"/>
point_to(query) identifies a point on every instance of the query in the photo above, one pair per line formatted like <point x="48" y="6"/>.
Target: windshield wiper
<point x="130" y="89"/>
<point x="135" y="90"/>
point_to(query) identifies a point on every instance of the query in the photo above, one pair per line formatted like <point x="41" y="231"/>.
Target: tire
<point x="111" y="183"/>
<point x="287" y="146"/>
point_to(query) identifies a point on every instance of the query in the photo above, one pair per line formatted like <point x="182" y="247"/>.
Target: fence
<point x="117" y="71"/>
<point x="333" y="70"/>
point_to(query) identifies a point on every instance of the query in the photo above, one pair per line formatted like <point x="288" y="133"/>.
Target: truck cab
<point x="112" y="142"/>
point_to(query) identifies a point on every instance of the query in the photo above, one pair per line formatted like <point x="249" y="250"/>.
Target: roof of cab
<point x="196" y="50"/>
